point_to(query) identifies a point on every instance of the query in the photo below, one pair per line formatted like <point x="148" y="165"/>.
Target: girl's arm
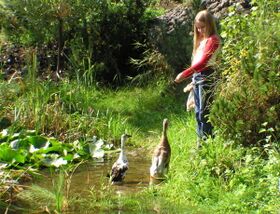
<point x="211" y="46"/>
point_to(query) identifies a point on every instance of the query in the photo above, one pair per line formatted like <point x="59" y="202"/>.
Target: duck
<point x="161" y="156"/>
<point x="120" y="167"/>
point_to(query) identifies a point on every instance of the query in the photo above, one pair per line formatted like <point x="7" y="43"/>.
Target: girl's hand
<point x="179" y="78"/>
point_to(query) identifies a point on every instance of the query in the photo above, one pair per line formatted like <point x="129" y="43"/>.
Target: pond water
<point x="92" y="174"/>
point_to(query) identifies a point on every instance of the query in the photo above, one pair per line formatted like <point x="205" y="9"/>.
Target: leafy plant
<point x="28" y="148"/>
<point x="95" y="44"/>
<point x="248" y="95"/>
<point x="153" y="65"/>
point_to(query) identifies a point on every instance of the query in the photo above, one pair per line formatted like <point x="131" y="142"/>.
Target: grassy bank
<point x="220" y="177"/>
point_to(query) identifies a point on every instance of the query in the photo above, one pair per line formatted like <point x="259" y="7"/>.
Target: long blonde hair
<point x="210" y="27"/>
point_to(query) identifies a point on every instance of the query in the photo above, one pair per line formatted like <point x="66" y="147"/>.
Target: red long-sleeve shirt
<point x="204" y="56"/>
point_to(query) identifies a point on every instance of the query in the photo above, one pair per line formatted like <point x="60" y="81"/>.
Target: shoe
<point x="198" y="143"/>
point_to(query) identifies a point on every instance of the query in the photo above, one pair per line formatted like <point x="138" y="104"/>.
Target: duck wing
<point x="118" y="172"/>
<point x="160" y="162"/>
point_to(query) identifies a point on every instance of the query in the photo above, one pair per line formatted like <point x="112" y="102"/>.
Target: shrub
<point x="103" y="34"/>
<point x="247" y="106"/>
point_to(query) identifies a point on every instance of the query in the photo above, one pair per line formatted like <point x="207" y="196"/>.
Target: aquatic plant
<point x="28" y="148"/>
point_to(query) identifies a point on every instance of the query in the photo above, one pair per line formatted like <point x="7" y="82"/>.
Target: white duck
<point x="161" y="156"/>
<point x="120" y="167"/>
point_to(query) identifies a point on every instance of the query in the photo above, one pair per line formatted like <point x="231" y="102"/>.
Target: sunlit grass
<point x="70" y="110"/>
<point x="47" y="199"/>
<point x="217" y="178"/>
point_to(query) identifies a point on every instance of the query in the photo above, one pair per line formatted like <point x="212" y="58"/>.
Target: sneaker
<point x="198" y="143"/>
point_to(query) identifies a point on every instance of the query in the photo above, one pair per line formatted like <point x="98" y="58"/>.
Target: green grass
<point x="221" y="177"/>
<point x="70" y="110"/>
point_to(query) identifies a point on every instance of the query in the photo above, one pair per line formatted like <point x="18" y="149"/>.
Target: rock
<point x="219" y="8"/>
<point x="170" y="35"/>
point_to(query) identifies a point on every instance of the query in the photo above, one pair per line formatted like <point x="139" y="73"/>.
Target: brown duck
<point x="161" y="156"/>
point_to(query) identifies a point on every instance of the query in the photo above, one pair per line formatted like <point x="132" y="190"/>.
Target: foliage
<point x="53" y="200"/>
<point x="28" y="148"/>
<point x="222" y="177"/>
<point x="72" y="111"/>
<point x="153" y="65"/>
<point x="248" y="94"/>
<point x="96" y="43"/>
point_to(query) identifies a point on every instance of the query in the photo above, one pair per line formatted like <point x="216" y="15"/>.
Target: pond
<point x="93" y="175"/>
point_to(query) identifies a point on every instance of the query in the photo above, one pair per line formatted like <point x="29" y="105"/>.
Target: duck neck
<point x="122" y="149"/>
<point x="164" y="132"/>
<point x="122" y="145"/>
<point x="122" y="156"/>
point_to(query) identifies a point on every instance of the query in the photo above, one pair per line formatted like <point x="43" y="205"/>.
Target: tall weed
<point x="248" y="95"/>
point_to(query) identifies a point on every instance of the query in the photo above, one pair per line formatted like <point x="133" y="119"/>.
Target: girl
<point x="205" y="47"/>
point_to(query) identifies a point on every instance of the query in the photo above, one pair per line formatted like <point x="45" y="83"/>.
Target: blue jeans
<point x="203" y="99"/>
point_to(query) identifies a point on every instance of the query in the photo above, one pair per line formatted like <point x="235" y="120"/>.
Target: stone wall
<point x="170" y="35"/>
<point x="220" y="7"/>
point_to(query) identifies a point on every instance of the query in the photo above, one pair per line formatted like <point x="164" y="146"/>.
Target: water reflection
<point x="93" y="174"/>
